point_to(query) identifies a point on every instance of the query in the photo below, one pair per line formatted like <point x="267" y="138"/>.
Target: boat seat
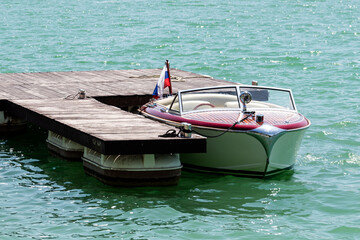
<point x="253" y="104"/>
<point x="232" y="104"/>
<point x="189" y="105"/>
<point x="217" y="100"/>
<point x="258" y="104"/>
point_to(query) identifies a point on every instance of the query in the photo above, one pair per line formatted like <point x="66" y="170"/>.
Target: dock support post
<point x="64" y="147"/>
<point x="133" y="170"/>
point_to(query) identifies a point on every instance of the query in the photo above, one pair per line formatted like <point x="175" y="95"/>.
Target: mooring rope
<point x="71" y="96"/>
<point x="227" y="130"/>
<point x="173" y="133"/>
<point x="81" y="93"/>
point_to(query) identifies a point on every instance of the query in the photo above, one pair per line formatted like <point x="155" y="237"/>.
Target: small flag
<point x="163" y="82"/>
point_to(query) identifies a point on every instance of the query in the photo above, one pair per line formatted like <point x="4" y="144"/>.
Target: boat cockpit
<point x="235" y="97"/>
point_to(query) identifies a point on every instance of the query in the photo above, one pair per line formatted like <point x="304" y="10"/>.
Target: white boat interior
<point x="227" y="97"/>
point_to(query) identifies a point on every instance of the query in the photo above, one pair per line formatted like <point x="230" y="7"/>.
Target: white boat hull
<point x="246" y="153"/>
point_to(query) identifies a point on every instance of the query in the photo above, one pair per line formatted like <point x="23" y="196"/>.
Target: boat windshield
<point x="202" y="99"/>
<point x="264" y="97"/>
<point x="228" y="98"/>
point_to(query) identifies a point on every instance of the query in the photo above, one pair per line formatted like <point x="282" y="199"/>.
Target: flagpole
<point x="168" y="68"/>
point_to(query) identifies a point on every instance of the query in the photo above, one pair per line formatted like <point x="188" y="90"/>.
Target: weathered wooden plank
<point x="5" y="95"/>
<point x="12" y="78"/>
<point x="110" y="76"/>
<point x="135" y="126"/>
<point x="39" y="98"/>
<point x="130" y="137"/>
<point x="66" y="89"/>
<point x="81" y="115"/>
<point x="129" y="73"/>
<point x="58" y="77"/>
<point x="99" y="83"/>
<point x="122" y="133"/>
<point x="17" y="92"/>
<point x="39" y="91"/>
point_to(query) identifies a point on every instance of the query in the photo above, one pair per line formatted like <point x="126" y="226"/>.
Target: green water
<point x="311" y="47"/>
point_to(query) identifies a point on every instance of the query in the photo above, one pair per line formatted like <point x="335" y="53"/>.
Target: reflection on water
<point x="43" y="190"/>
<point x="311" y="47"/>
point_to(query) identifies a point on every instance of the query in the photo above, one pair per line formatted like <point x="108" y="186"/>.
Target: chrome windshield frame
<point x="271" y="88"/>
<point x="205" y="88"/>
<point x="238" y="92"/>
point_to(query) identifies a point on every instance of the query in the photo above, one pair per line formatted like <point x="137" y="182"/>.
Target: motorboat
<point x="253" y="131"/>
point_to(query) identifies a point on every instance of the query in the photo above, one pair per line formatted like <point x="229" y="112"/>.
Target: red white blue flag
<point x="163" y="82"/>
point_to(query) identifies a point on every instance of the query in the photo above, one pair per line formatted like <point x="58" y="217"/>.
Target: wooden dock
<point x="99" y="122"/>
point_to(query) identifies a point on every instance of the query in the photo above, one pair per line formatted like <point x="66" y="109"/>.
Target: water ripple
<point x="311" y="47"/>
